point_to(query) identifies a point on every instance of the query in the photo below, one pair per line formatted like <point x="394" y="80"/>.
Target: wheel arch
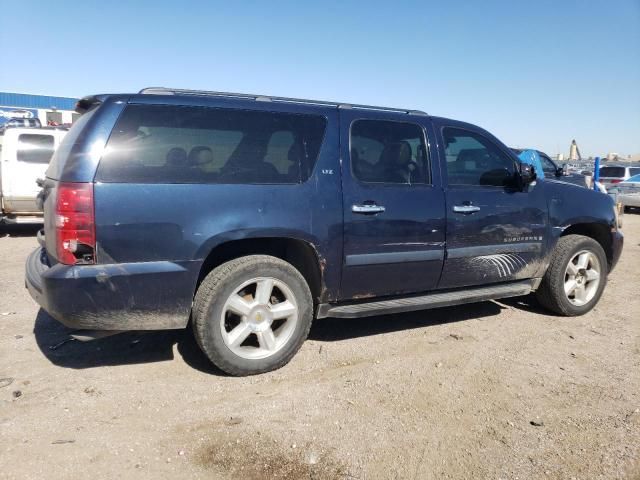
<point x="301" y="254"/>
<point x="597" y="231"/>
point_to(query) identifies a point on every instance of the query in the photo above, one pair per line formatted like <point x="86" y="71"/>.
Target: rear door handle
<point x="367" y="209"/>
<point x="465" y="208"/>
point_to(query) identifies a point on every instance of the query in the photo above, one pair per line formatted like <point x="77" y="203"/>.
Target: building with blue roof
<point x="49" y="110"/>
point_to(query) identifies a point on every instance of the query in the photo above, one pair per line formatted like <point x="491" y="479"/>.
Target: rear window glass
<point x="178" y="144"/>
<point x="389" y="152"/>
<point x="612" y="172"/>
<point x="35" y="148"/>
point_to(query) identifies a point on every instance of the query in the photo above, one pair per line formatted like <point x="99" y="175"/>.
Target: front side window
<point x="389" y="152"/>
<point x="35" y="148"/>
<point x="174" y="144"/>
<point x="548" y="167"/>
<point x="473" y="159"/>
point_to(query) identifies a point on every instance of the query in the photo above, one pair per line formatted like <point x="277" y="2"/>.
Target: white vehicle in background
<point x="628" y="192"/>
<point x="611" y="175"/>
<point x="24" y="157"/>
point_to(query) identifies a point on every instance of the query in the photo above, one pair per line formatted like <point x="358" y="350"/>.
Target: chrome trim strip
<point x="394" y="257"/>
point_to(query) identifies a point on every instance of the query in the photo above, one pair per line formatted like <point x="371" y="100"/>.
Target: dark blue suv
<point x="253" y="215"/>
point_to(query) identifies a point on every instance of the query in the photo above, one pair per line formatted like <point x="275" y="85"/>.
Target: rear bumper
<point x="629" y="200"/>
<point x="125" y="296"/>
<point x="616" y="248"/>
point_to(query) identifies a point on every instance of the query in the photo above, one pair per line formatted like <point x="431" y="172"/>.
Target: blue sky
<point x="534" y="73"/>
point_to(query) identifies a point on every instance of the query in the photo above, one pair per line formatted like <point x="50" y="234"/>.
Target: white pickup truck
<point x="24" y="157"/>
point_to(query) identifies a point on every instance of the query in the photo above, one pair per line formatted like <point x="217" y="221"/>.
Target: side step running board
<point x="431" y="300"/>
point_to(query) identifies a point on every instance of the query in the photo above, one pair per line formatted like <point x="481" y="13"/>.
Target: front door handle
<point x="367" y="209"/>
<point x="465" y="208"/>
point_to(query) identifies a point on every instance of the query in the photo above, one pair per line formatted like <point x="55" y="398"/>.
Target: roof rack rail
<point x="269" y="98"/>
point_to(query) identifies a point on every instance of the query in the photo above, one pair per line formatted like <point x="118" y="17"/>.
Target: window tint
<point x="616" y="172"/>
<point x="389" y="152"/>
<point x="171" y="144"/>
<point x="475" y="160"/>
<point x="634" y="171"/>
<point x="35" y="148"/>
<point x="548" y="167"/>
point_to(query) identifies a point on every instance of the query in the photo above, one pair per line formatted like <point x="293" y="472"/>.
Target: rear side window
<point x="634" y="171"/>
<point x="389" y="152"/>
<point x="35" y="148"/>
<point x="616" y="172"/>
<point x="177" y="144"/>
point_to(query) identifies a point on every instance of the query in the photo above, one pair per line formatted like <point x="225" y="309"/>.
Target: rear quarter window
<point x="35" y="148"/>
<point x="179" y="144"/>
<point x="616" y="172"/>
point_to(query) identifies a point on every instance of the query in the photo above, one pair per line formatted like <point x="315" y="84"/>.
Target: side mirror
<point x="559" y="172"/>
<point x="527" y="174"/>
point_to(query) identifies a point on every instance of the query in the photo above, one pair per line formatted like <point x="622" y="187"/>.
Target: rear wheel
<point x="252" y="314"/>
<point x="576" y="276"/>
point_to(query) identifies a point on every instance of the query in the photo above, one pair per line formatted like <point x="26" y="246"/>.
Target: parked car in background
<point x="253" y="215"/>
<point x="21" y="122"/>
<point x="613" y="174"/>
<point x="552" y="170"/>
<point x="628" y="192"/>
<point x="24" y="157"/>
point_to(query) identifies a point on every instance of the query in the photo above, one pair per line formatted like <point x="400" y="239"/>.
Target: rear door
<point x="495" y="231"/>
<point x="393" y="205"/>
<point x="26" y="155"/>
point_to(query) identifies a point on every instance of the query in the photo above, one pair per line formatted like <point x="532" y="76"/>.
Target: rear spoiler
<point x="87" y="103"/>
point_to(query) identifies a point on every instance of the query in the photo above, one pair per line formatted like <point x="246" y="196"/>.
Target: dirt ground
<point x="491" y="390"/>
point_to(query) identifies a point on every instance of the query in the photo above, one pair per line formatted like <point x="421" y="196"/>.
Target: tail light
<point x="75" y="223"/>
<point x="616" y="180"/>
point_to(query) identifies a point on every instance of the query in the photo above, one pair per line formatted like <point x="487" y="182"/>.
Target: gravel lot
<point x="491" y="390"/>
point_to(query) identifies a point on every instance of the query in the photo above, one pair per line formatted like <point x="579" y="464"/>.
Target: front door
<point x="394" y="214"/>
<point x="495" y="231"/>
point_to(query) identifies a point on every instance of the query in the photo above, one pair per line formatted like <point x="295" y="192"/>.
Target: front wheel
<point x="576" y="276"/>
<point x="252" y="314"/>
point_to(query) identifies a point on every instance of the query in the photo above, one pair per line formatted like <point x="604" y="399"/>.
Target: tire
<point x="558" y="277"/>
<point x="241" y="299"/>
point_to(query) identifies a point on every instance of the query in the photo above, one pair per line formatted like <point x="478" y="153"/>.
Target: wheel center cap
<point x="259" y="320"/>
